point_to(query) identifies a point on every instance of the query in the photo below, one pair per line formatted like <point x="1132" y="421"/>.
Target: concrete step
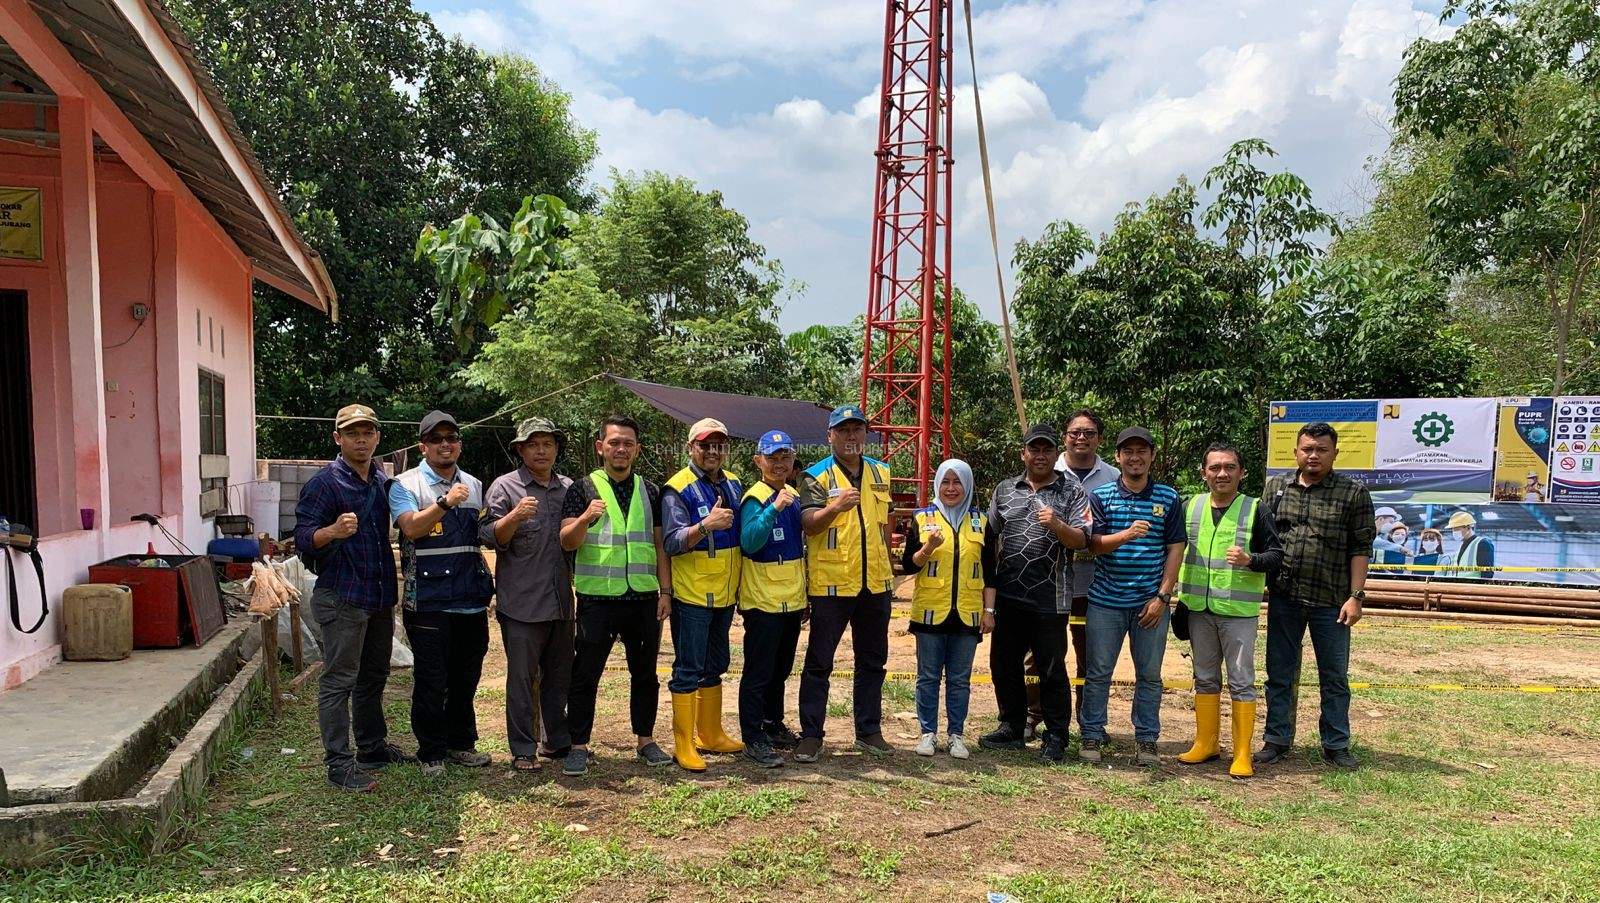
<point x="83" y="731"/>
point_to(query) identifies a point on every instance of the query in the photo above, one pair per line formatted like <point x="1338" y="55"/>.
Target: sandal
<point x="526" y="763"/>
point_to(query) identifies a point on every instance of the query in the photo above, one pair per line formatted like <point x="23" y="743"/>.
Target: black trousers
<point x="1080" y="608"/>
<point x="600" y="625"/>
<point x="538" y="673"/>
<point x="449" y="649"/>
<point x="355" y="667"/>
<point x="1018" y="631"/>
<point x="867" y="616"/>
<point x="770" y="639"/>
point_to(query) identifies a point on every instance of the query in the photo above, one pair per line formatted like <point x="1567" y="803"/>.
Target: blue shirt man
<point x="1138" y="536"/>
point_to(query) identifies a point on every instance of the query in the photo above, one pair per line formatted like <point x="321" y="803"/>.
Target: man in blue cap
<point x="772" y="598"/>
<point x="845" y="512"/>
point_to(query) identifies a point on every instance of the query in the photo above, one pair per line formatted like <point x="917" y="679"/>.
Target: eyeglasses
<point x="1083" y="434"/>
<point x="443" y="440"/>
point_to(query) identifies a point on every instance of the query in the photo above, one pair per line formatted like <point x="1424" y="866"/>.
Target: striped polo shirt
<point x="1130" y="575"/>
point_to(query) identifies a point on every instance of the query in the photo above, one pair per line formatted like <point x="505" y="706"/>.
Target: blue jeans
<point x="699" y="646"/>
<point x="1104" y="629"/>
<point x="1287" y="623"/>
<point x="948" y="655"/>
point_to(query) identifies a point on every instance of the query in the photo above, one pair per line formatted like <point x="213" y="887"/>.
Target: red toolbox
<point x="172" y="605"/>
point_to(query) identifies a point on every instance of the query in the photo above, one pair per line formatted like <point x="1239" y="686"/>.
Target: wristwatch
<point x="988" y="611"/>
<point x="1359" y="595"/>
<point x="1166" y="598"/>
<point x="441" y="503"/>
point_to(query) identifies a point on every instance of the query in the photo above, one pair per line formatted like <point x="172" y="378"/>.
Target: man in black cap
<point x="1035" y="520"/>
<point x="1138" y="540"/>
<point x="535" y="605"/>
<point x="447" y="590"/>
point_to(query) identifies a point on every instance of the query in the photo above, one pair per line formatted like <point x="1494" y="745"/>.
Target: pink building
<point x="134" y="222"/>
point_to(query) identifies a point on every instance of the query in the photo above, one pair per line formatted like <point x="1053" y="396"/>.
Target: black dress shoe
<point x="1271" y="754"/>
<point x="1341" y="758"/>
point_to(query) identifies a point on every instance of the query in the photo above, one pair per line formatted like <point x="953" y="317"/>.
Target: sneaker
<point x="653" y="755"/>
<point x="351" y="778"/>
<point x="762" y="753"/>
<point x="469" y="758"/>
<point x="808" y="749"/>
<point x="1089" y="751"/>
<point x="1002" y="737"/>
<point x="779" y="735"/>
<point x="576" y="764"/>
<point x="958" y="747"/>
<point x="1055" y="748"/>
<point x="1271" y="753"/>
<point x="384" y="756"/>
<point x="1341" y="758"/>
<point x="1147" y="754"/>
<point x="433" y="769"/>
<point x="874" y="745"/>
<point x="928" y="746"/>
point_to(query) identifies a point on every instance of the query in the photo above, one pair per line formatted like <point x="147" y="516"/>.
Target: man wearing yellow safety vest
<point x="1222" y="582"/>
<point x="700" y="534"/>
<point x="845" y="512"/>
<point x="611" y="521"/>
<point x="772" y="599"/>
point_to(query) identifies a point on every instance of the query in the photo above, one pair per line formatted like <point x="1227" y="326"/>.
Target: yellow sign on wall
<point x="21" y="224"/>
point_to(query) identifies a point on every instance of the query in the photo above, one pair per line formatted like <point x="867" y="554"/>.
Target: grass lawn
<point x="1462" y="795"/>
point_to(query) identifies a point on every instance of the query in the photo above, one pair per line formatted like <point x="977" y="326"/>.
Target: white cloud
<point x="1166" y="87"/>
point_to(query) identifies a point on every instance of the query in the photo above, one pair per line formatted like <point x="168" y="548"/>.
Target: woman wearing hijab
<point x="954" y="573"/>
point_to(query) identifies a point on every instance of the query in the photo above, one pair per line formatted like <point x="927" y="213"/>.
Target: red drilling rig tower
<point x="904" y="389"/>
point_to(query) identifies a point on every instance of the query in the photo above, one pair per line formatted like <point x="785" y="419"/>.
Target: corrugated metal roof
<point x="110" y="49"/>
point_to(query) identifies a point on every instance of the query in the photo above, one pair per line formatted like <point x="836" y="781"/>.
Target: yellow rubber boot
<point x="1207" y="725"/>
<point x="683" y="733"/>
<point x="709" y="734"/>
<point x="1244" y="726"/>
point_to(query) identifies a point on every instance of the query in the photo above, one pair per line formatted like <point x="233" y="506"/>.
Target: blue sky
<point x="1089" y="104"/>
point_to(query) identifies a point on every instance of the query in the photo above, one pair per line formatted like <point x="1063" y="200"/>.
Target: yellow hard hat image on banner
<point x="21" y="229"/>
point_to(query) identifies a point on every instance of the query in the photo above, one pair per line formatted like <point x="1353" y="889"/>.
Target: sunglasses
<point x="452" y="439"/>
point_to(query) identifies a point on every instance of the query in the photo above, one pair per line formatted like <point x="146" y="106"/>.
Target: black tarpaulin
<point x="746" y="416"/>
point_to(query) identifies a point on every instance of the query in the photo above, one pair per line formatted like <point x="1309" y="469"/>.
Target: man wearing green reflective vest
<point x="1222" y="582"/>
<point x="611" y="522"/>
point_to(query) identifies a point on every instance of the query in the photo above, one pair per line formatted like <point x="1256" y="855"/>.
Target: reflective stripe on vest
<point x="707" y="574"/>
<point x="610" y="563"/>
<point x="935" y="590"/>
<point x="1206" y="581"/>
<point x="834" y="558"/>
<point x="769" y="580"/>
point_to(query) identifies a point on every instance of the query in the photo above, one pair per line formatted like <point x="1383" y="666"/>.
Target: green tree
<point x="635" y="298"/>
<point x="1517" y="86"/>
<point x="1158" y="326"/>
<point x="373" y="124"/>
<point x="484" y="269"/>
<point x="1356" y="327"/>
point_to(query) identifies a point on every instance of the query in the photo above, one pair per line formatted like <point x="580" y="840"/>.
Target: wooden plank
<point x="202" y="598"/>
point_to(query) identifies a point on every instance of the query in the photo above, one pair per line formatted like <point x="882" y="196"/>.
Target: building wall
<point x="151" y="252"/>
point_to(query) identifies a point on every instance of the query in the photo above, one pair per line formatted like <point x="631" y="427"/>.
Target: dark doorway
<point x="17" y="484"/>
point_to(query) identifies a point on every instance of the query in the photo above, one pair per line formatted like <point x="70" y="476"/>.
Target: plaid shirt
<point x="1322" y="528"/>
<point x="360" y="570"/>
